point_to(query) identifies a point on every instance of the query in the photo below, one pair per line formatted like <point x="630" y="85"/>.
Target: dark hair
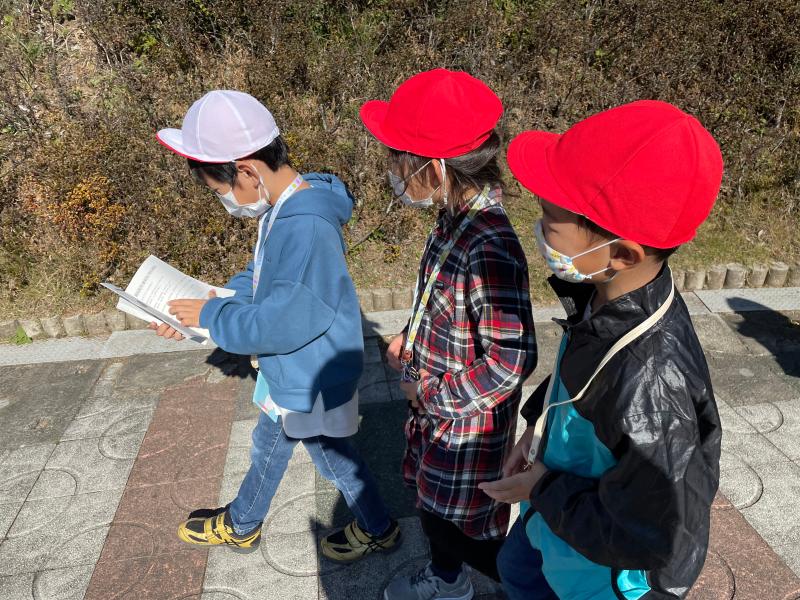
<point x="660" y="254"/>
<point x="472" y="170"/>
<point x="275" y="155"/>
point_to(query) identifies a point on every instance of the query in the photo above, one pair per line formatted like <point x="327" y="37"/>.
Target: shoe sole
<point x="236" y="549"/>
<point x="346" y="561"/>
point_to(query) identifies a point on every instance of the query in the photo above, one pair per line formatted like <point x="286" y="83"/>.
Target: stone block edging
<point x="776" y="274"/>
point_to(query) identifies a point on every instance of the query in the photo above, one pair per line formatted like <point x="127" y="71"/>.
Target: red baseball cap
<point x="438" y="114"/>
<point x="645" y="171"/>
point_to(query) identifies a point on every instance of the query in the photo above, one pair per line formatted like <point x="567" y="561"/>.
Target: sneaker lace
<point x="425" y="583"/>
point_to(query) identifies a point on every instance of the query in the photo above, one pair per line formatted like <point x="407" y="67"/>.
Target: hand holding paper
<point x="187" y="310"/>
<point x="154" y="286"/>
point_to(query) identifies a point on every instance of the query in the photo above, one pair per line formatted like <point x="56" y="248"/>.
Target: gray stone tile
<point x="786" y="431"/>
<point x="733" y="421"/>
<point x="753" y="448"/>
<point x="764" y="418"/>
<point x="717" y="337"/>
<point x="19" y="470"/>
<point x="145" y="341"/>
<point x="372" y="351"/>
<point x="790" y="553"/>
<point x="750" y="300"/>
<point x="42" y="400"/>
<point x="52" y="351"/>
<point x="372" y="387"/>
<point x="775" y="515"/>
<point x="64" y="584"/>
<point x="741" y="380"/>
<point x="383" y="323"/>
<point x="768" y="332"/>
<point x="694" y="304"/>
<point x="156" y="372"/>
<point x="241" y="433"/>
<point x="59" y="532"/>
<point x="113" y="422"/>
<point x="8" y="512"/>
<point x="739" y="482"/>
<point x="17" y="587"/>
<point x="81" y="467"/>
<point x="285" y="569"/>
<point x="245" y="409"/>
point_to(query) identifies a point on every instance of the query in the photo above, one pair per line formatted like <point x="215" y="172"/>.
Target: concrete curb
<point x="728" y="276"/>
<point x="375" y="324"/>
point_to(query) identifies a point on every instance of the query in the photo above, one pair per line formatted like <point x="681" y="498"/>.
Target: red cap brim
<point x="529" y="163"/>
<point x="373" y="115"/>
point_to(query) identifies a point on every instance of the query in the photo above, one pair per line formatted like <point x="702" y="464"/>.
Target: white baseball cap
<point x="222" y="126"/>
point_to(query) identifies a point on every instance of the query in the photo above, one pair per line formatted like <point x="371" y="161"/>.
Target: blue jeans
<point x="336" y="460"/>
<point x="520" y="566"/>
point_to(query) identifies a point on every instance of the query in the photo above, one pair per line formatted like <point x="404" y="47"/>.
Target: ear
<point x="437" y="171"/>
<point x="247" y="174"/>
<point x="626" y="254"/>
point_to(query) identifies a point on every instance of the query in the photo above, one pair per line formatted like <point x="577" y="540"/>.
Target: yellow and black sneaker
<point x="213" y="527"/>
<point x="353" y="543"/>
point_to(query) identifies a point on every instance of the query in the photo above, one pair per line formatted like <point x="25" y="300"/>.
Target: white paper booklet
<point x="156" y="283"/>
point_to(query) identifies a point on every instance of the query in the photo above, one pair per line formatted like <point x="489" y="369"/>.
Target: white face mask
<point x="400" y="185"/>
<point x="256" y="209"/>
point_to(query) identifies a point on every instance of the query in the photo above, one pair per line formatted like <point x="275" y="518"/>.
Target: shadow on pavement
<point x="776" y="332"/>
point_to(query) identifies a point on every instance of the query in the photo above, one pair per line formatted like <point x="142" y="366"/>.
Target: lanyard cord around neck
<point x="258" y="257"/>
<point x="421" y="301"/>
<point x="633" y="334"/>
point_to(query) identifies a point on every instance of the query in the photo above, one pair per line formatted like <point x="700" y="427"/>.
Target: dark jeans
<point x="520" y="566"/>
<point x="336" y="460"/>
<point x="451" y="547"/>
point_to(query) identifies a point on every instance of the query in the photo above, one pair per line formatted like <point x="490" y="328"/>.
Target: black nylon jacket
<point x="653" y="407"/>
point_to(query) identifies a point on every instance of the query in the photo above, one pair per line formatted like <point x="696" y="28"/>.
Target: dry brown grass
<point x="86" y="84"/>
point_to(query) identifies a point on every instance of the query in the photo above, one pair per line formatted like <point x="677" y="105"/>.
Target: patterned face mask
<point x="561" y="264"/>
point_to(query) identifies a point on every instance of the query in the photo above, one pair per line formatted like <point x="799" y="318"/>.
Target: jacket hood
<point x="328" y="198"/>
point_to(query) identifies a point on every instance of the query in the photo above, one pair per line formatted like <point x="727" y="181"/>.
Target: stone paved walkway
<point x="100" y="458"/>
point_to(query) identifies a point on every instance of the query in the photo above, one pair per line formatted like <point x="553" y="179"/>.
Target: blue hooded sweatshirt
<point x="304" y="322"/>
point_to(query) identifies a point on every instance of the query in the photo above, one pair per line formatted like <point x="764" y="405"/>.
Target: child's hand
<point x="515" y="488"/>
<point x="188" y="310"/>
<point x="518" y="458"/>
<point x="393" y="352"/>
<point x="409" y="389"/>
<point x="165" y="331"/>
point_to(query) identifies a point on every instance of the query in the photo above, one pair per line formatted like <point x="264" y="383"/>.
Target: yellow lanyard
<point x="409" y="372"/>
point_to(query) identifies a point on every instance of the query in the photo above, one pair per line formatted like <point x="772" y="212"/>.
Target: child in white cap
<point x="295" y="309"/>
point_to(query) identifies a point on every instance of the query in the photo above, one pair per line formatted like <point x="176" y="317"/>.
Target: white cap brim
<point x="172" y="139"/>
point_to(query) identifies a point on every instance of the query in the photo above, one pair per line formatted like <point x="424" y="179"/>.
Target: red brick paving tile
<point x="187" y="437"/>
<point x="740" y="564"/>
<point x="148" y="516"/>
<point x="179" y="467"/>
<point x="152" y="578"/>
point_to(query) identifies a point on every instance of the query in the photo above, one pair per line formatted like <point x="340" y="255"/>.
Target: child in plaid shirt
<point x="470" y="343"/>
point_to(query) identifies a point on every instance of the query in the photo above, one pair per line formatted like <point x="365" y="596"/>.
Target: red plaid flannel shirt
<point x="477" y="340"/>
